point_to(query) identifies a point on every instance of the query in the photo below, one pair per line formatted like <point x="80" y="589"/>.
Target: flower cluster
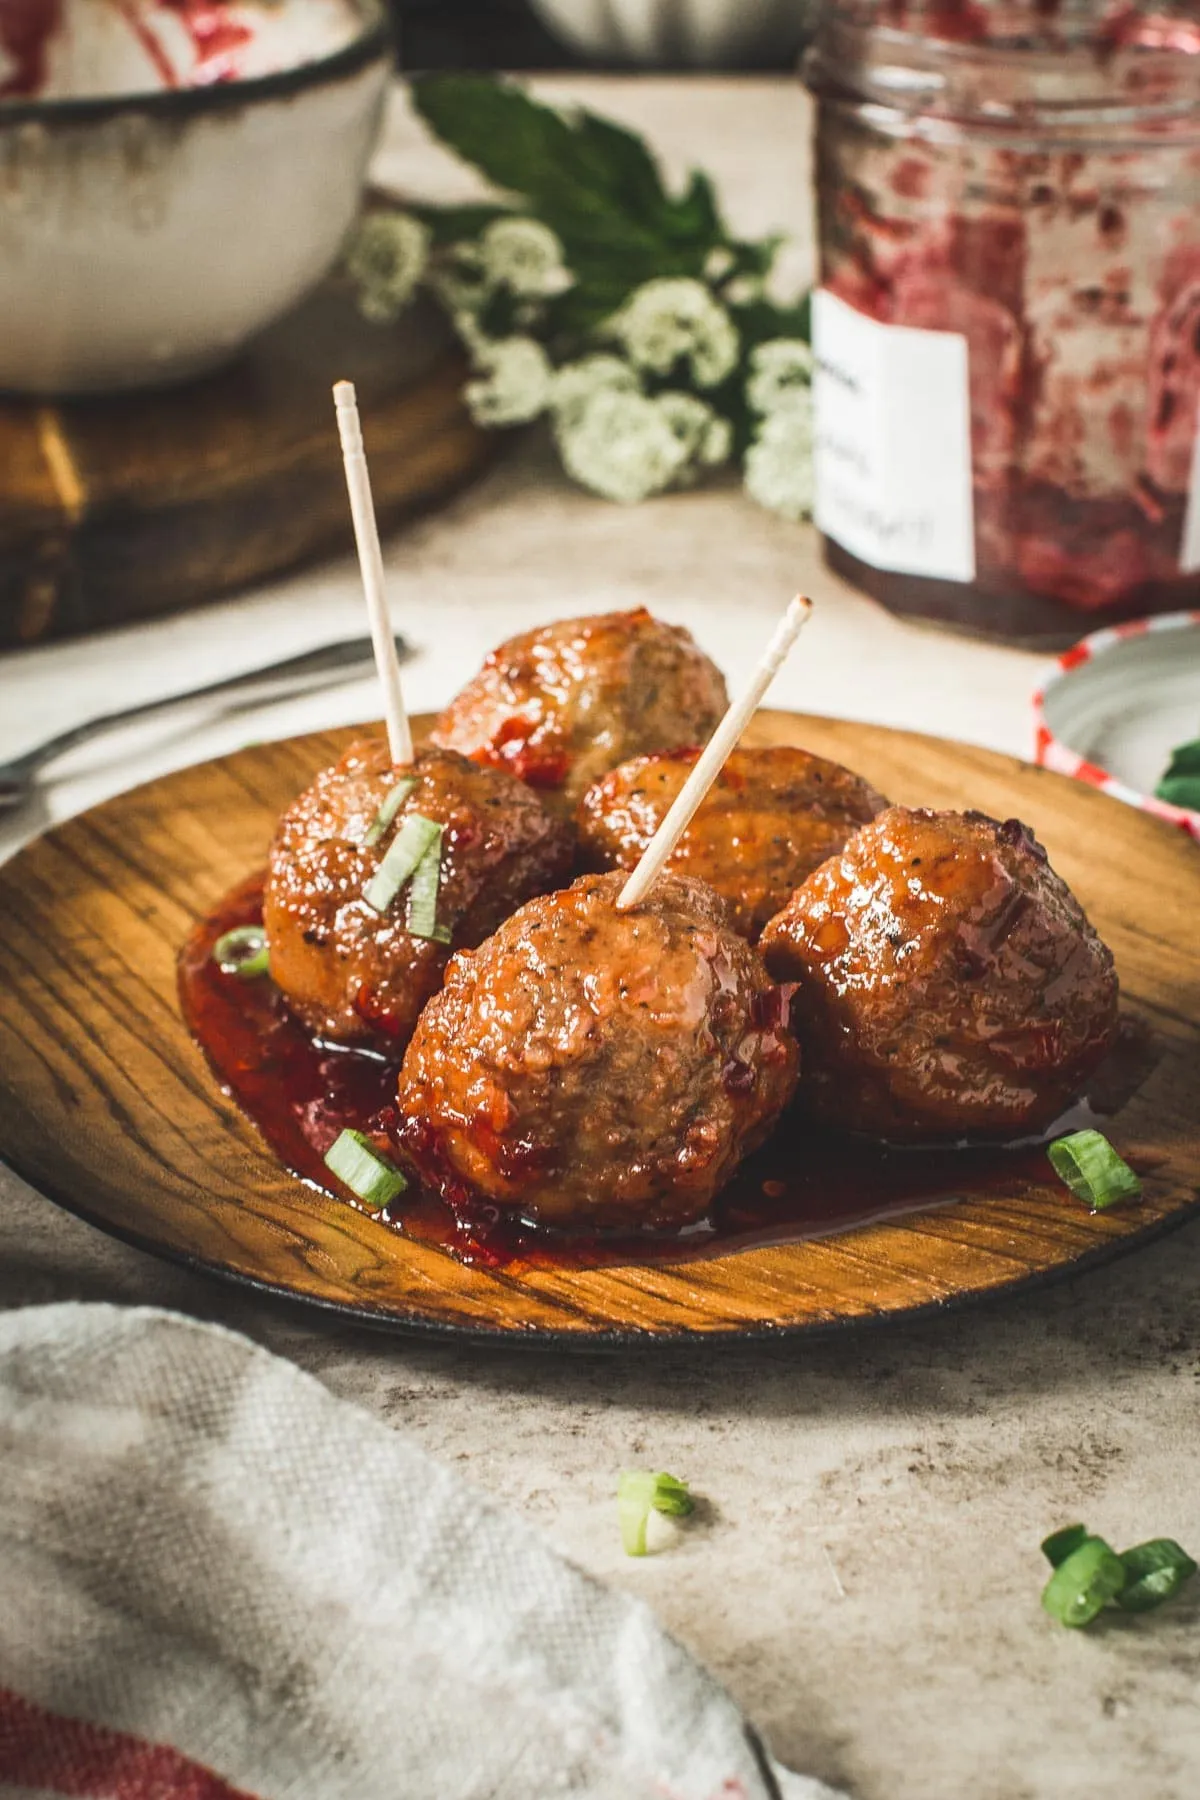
<point x="677" y="379"/>
<point x="779" y="460"/>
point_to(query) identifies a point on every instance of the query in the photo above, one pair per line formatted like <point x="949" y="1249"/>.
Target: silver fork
<point x="295" y="675"/>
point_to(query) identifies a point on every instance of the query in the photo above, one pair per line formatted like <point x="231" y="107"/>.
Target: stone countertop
<point x="865" y="1574"/>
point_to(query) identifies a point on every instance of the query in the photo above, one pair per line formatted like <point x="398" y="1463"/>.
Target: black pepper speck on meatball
<point x="352" y="974"/>
<point x="561" y="705"/>
<point x="772" y="816"/>
<point x="948" y="980"/>
<point x="587" y="1067"/>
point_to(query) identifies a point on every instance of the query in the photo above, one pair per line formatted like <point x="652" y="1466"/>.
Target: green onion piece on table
<point x="1181" y="783"/>
<point x="1084" y="1583"/>
<point x="382" y="821"/>
<point x="1060" y="1544"/>
<point x="1154" y="1572"/>
<point x="358" y="1165"/>
<point x="242" y="952"/>
<point x="404" y="853"/>
<point x="1092" y="1170"/>
<point x="422" y="920"/>
<point x="640" y="1493"/>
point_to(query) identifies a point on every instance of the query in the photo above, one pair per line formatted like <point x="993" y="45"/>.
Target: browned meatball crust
<point x="771" y="817"/>
<point x="587" y="1067"/>
<point x="949" y="981"/>
<point x="561" y="705"/>
<point x="359" y="977"/>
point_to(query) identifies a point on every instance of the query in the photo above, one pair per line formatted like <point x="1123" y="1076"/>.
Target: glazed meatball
<point x="587" y="1067"/>
<point x="563" y="704"/>
<point x="771" y="817"/>
<point x="949" y="981"/>
<point x="351" y="973"/>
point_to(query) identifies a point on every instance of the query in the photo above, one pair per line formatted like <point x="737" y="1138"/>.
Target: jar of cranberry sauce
<point x="1007" y="329"/>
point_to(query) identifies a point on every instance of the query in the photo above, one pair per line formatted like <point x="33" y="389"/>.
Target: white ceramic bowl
<point x="1114" y="707"/>
<point x="697" y="33"/>
<point x="145" y="236"/>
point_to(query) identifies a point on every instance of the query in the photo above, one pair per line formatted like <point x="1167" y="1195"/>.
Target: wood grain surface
<point x="107" y="1106"/>
<point x="116" y="509"/>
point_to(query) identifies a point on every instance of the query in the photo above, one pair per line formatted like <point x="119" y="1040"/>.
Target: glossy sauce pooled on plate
<point x="806" y="1181"/>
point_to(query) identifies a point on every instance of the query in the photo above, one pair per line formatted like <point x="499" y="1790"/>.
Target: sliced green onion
<point x="638" y="1495"/>
<point x="404" y="853"/>
<point x="371" y="1178"/>
<point x="423" y="896"/>
<point x="1092" y="1170"/>
<point x="1084" y="1583"/>
<point x="387" y="812"/>
<point x="1060" y="1544"/>
<point x="242" y="952"/>
<point x="1154" y="1571"/>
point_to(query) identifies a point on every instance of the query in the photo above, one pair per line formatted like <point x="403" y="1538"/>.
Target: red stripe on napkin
<point x="40" y="1749"/>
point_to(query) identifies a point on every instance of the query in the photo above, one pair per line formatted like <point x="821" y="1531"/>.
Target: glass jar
<point x="1007" y="333"/>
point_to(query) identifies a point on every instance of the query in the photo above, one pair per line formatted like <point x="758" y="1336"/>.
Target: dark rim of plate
<point x="374" y="40"/>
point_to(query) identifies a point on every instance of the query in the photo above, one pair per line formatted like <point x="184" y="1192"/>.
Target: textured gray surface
<point x="864" y="1574"/>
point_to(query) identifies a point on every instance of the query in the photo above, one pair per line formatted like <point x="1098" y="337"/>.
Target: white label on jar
<point x="1189" y="553"/>
<point x="892" y="451"/>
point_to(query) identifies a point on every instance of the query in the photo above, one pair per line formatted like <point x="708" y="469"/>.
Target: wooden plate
<point x="107" y="1106"/>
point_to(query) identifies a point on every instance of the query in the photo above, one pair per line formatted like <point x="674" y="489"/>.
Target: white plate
<point x="1119" y="703"/>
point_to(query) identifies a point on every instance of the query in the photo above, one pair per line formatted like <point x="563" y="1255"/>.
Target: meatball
<point x="770" y="818"/>
<point x="351" y="973"/>
<point x="588" y="1067"/>
<point x="563" y="704"/>
<point x="948" y="980"/>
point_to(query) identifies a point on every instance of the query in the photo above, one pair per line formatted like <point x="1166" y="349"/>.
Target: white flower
<point x="386" y="258"/>
<point x="576" y="382"/>
<point x="705" y="436"/>
<point x="525" y="257"/>
<point x="779" y="473"/>
<point x="719" y="263"/>
<point x="780" y="375"/>
<point x="516" y="382"/>
<point x="716" y="446"/>
<point x="665" y="320"/>
<point x="743" y="290"/>
<point x="620" y="444"/>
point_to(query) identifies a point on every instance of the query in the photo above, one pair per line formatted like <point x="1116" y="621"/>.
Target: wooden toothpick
<point x="658" y="851"/>
<point x="370" y="558"/>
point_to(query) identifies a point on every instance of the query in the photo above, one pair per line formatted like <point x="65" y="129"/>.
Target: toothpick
<point x="370" y="558"/>
<point x="658" y="851"/>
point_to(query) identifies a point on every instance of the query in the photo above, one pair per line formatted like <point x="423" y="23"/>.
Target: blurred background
<point x="600" y="34"/>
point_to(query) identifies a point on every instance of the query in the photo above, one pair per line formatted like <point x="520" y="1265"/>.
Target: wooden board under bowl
<point x="121" y="508"/>
<point x="108" y="1107"/>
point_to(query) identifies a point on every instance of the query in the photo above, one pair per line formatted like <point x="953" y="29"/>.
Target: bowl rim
<point x="375" y="39"/>
<point x="1050" y="752"/>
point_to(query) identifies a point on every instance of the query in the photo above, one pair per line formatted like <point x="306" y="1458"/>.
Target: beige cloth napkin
<point x="216" y="1580"/>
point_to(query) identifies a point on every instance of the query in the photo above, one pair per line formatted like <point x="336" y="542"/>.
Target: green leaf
<point x="493" y="125"/>
<point x="451" y="224"/>
<point x="761" y="320"/>
<point x="1181" y="783"/>
<point x="630" y="170"/>
<point x="696" y="215"/>
<point x="592" y="182"/>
